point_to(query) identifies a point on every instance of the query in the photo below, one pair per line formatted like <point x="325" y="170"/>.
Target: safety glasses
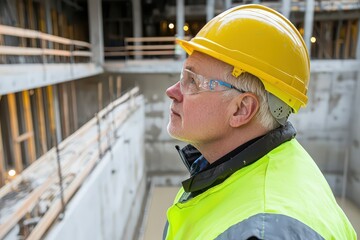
<point x="192" y="83"/>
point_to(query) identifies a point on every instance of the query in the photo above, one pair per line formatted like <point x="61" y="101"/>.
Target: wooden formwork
<point x="2" y="161"/>
<point x="14" y="129"/>
<point x="29" y="127"/>
<point x="41" y="120"/>
<point x="335" y="39"/>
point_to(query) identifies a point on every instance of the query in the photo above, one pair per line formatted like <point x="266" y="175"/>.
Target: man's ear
<point x="246" y="106"/>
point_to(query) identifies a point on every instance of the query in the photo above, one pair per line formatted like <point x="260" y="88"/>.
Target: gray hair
<point x="251" y="83"/>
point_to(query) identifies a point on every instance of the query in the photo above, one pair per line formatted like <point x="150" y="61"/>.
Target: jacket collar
<point x="215" y="175"/>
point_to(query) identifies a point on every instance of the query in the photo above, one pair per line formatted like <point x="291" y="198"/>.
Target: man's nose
<point x="174" y="92"/>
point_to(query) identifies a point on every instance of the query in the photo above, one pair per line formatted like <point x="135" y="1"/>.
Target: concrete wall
<point x="160" y="152"/>
<point x="109" y="203"/>
<point x="353" y="187"/>
<point x="87" y="95"/>
<point x="19" y="77"/>
<point x="325" y="127"/>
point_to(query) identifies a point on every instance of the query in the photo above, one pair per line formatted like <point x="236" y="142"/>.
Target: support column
<point x="96" y="31"/>
<point x="48" y="16"/>
<point x="100" y="96"/>
<point x="21" y="24"/>
<point x="111" y="89"/>
<point x="29" y="127"/>
<point x="74" y="106"/>
<point x="41" y="120"/>
<point x="180" y="21"/>
<point x="55" y="10"/>
<point x="49" y="29"/>
<point x="118" y="86"/>
<point x="228" y="4"/>
<point x="64" y="99"/>
<point x="210" y="9"/>
<point x="286" y="8"/>
<point x="57" y="114"/>
<point x="55" y="123"/>
<point x="137" y="22"/>
<point x="308" y="26"/>
<point x="15" y="132"/>
<point x="358" y="41"/>
<point x="2" y="162"/>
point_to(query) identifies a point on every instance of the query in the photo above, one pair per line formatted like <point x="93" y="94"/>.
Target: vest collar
<point x="216" y="175"/>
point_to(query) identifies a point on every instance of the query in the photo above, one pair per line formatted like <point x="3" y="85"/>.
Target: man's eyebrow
<point x="189" y="68"/>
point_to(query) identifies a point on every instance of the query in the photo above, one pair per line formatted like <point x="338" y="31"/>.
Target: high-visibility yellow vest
<point x="283" y="195"/>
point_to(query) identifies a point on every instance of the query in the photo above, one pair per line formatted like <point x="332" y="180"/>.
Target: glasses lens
<point x="189" y="82"/>
<point x="182" y="82"/>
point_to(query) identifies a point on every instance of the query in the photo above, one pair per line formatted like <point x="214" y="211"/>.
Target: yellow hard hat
<point x="256" y="39"/>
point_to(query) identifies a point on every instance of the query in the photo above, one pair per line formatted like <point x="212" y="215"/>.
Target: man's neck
<point x="214" y="150"/>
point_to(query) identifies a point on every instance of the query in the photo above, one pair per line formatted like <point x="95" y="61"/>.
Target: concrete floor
<point x="162" y="197"/>
<point x="352" y="212"/>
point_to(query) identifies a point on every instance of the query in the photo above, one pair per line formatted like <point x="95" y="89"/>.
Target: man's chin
<point x="174" y="133"/>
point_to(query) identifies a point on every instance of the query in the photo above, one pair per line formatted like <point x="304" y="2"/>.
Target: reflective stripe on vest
<point x="285" y="182"/>
<point x="270" y="226"/>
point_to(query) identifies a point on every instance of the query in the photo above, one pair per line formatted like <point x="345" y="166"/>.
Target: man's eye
<point x="192" y="81"/>
<point x="193" y="85"/>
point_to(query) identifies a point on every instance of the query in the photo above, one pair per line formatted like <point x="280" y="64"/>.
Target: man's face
<point x="203" y="117"/>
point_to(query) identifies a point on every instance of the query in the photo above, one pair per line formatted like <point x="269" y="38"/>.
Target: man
<point x="247" y="70"/>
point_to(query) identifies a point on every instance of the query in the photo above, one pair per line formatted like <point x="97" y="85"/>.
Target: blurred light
<point x="313" y="39"/>
<point x="186" y="28"/>
<point x="171" y="25"/>
<point x="301" y="30"/>
<point x="12" y="172"/>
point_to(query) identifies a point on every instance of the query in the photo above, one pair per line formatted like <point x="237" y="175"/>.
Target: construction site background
<point x="84" y="152"/>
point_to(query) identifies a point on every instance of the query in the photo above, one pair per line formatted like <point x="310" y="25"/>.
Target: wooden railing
<point x="144" y="46"/>
<point x="47" y="45"/>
